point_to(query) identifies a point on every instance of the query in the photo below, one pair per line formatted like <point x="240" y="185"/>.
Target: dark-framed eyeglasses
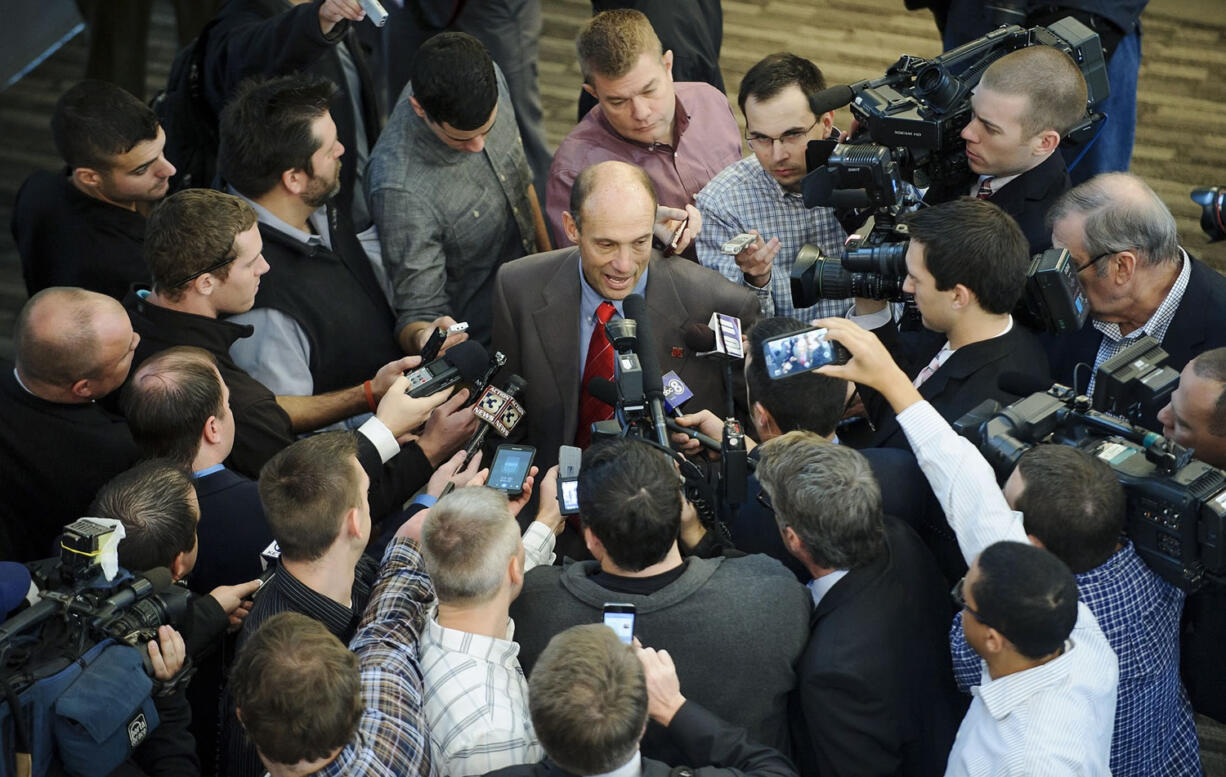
<point x="959" y="599"/>
<point x="1096" y="260"/>
<point x="195" y="275"/>
<point x="765" y="143"/>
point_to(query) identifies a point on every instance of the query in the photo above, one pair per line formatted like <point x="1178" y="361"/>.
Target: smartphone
<point x="799" y="352"/>
<point x="434" y="344"/>
<point x="568" y="479"/>
<point x="620" y="618"/>
<point x="737" y="244"/>
<point x="510" y="467"/>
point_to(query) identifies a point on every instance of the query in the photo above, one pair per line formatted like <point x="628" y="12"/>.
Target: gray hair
<point x="467" y="540"/>
<point x="1121" y="214"/>
<point x="828" y="495"/>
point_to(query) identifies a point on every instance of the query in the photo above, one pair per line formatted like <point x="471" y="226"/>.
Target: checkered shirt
<point x="743" y="197"/>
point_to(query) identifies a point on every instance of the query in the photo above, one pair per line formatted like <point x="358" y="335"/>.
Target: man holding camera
<point x="761" y="193"/>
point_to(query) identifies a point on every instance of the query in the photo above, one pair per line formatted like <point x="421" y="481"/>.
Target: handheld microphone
<point x="706" y="343"/>
<point x="498" y="410"/>
<point x="606" y="392"/>
<point x="734" y="463"/>
<point x="465" y="361"/>
<point x="653" y="384"/>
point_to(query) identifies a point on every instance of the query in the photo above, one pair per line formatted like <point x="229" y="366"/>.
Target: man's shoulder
<point x="699" y="96"/>
<point x="1206" y="279"/>
<point x="589" y="142"/>
<point x="522" y="273"/>
<point x="693" y="277"/>
<point x="733" y="179"/>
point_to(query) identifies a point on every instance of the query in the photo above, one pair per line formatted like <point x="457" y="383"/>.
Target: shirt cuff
<point x="425" y="500"/>
<point x="871" y="321"/>
<point x="381" y="437"/>
<point x="539" y="542"/>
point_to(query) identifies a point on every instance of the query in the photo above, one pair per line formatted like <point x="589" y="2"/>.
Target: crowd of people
<point x="221" y="366"/>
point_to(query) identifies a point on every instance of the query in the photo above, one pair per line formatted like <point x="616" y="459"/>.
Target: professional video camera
<point x="1176" y="511"/>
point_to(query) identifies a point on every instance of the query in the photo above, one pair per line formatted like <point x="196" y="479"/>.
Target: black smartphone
<point x="568" y="479"/>
<point x="510" y="467"/>
<point x="620" y="618"/>
<point x="798" y="352"/>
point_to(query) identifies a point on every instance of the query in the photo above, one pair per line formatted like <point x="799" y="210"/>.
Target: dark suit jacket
<point x="536" y="324"/>
<point x="876" y="684"/>
<point x="712" y="746"/>
<point x="1028" y="197"/>
<point x="1199" y="325"/>
<point x="231" y="533"/>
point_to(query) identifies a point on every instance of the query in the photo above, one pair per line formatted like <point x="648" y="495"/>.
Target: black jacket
<point x="1028" y="197"/>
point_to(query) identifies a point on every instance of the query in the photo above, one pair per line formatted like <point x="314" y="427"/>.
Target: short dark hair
<point x="829" y="496"/>
<point x="1073" y="503"/>
<point x="95" y="121"/>
<point x="630" y="497"/>
<point x="586" y="181"/>
<point x="1212" y="366"/>
<point x="975" y="243"/>
<point x="190" y="231"/>
<point x="266" y="130"/>
<point x="306" y="489"/>
<point x="454" y="82"/>
<point x="776" y="72"/>
<point x="153" y="501"/>
<point x="804" y="402"/>
<point x="294" y="669"/>
<point x="170" y="398"/>
<point x="588" y="700"/>
<point x="1028" y="595"/>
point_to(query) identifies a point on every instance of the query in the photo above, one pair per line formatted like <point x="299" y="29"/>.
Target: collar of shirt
<point x="318" y="219"/>
<point x="948" y="351"/>
<point x="998" y="182"/>
<point x="479" y="646"/>
<point x="335" y="616"/>
<point x="208" y="471"/>
<point x="1006" y="694"/>
<point x="1158" y="323"/>
<point x="589" y="300"/>
<point x="631" y="768"/>
<point x="820" y="586"/>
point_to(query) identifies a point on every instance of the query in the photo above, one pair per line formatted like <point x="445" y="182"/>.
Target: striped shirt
<point x="745" y="196"/>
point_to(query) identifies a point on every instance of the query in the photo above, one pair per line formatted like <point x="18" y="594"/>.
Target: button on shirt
<point x="745" y="196"/>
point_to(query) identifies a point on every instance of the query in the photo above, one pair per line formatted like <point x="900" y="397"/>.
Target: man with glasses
<point x="760" y="194"/>
<point x="1138" y="279"/>
<point x="451" y="192"/>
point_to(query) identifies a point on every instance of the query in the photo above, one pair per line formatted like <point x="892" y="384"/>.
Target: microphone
<point x="154" y="581"/>
<point x="465" y="361"/>
<point x="653" y="384"/>
<point x="726" y="346"/>
<point x="14" y="585"/>
<point x="832" y="98"/>
<point x="1022" y="384"/>
<point x="498" y="410"/>
<point x="604" y="390"/>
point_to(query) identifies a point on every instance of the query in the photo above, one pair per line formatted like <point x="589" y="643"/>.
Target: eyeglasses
<point x="196" y="275"/>
<point x="765" y="143"/>
<point x="1096" y="260"/>
<point x="960" y="600"/>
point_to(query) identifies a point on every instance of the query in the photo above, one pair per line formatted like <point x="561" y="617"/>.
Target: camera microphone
<point x="498" y="410"/>
<point x="653" y="383"/>
<point x="465" y="361"/>
<point x="832" y="98"/>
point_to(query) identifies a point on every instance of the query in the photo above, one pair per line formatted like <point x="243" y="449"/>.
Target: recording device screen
<point x="798" y="352"/>
<point x="570" y="494"/>
<point x="620" y="618"/>
<point x="510" y="467"/>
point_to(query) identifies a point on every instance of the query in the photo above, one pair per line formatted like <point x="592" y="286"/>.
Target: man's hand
<point x="411" y="529"/>
<point x="167" y="653"/>
<point x="757" y="259"/>
<point x="401" y="413"/>
<point x="547" y="510"/>
<point x="692" y="530"/>
<point x="663" y="688"/>
<point x="668" y="220"/>
<point x="442" y="322"/>
<point x="870" y="364"/>
<point x="705" y="422"/>
<point x="389" y="372"/>
<point x="333" y="11"/>
<point x="518" y="502"/>
<point x="450" y="472"/>
<point x="449" y="428"/>
<point x="235" y="601"/>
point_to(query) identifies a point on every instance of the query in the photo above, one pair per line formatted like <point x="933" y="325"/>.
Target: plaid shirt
<point x="1139" y="612"/>
<point x="743" y="197"/>
<point x="391" y="738"/>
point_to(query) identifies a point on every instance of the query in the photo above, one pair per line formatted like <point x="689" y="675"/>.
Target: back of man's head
<point x="95" y="121"/>
<point x="828" y="495"/>
<point x="611" y="43"/>
<point x="630" y="497"/>
<point x="156" y="503"/>
<point x="453" y="81"/>
<point x="266" y="130"/>
<point x="1121" y="213"/>
<point x="170" y="398"/>
<point x="307" y="489"/>
<point x="467" y="540"/>
<point x="1050" y="81"/>
<point x="298" y="690"/>
<point x="804" y="402"/>
<point x="588" y="700"/>
<point x="190" y="233"/>
<point x="776" y="72"/>
<point x="1028" y="595"/>
<point x="976" y="244"/>
<point x="1072" y="503"/>
<point x="56" y="336"/>
<point x="606" y="178"/>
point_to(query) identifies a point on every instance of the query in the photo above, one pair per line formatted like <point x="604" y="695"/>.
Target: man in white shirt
<point x="1042" y="708"/>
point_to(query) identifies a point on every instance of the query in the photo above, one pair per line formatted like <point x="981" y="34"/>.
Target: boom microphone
<point x="498" y="410"/>
<point x="653" y="383"/>
<point x="831" y="99"/>
<point x="466" y="361"/>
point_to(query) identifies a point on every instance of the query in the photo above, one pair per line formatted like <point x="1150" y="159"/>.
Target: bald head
<point x="73" y="343"/>
<point x="611" y="184"/>
<point x="611" y="217"/>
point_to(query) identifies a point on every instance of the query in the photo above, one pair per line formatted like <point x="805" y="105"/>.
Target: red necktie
<point x="599" y="362"/>
<point x="985" y="189"/>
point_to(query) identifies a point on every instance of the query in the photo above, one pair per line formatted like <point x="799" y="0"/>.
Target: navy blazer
<point x="1028" y="197"/>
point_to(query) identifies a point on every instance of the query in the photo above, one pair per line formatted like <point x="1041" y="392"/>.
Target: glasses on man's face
<point x="790" y="139"/>
<point x="1096" y="260"/>
<point x="960" y="600"/>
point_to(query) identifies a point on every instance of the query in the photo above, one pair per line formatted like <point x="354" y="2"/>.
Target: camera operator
<point x="875" y="683"/>
<point x="966" y="266"/>
<point x="1138" y="279"/>
<point x="1077" y="722"/>
<point x="591" y="697"/>
<point x="1024" y="104"/>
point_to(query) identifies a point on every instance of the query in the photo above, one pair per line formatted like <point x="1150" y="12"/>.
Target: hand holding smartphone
<point x="620" y="617"/>
<point x="510" y="468"/>
<point x="799" y="352"/>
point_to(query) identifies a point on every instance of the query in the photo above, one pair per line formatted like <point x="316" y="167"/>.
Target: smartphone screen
<point x="620" y="618"/>
<point x="796" y="353"/>
<point x="510" y="467"/>
<point x="569" y="493"/>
